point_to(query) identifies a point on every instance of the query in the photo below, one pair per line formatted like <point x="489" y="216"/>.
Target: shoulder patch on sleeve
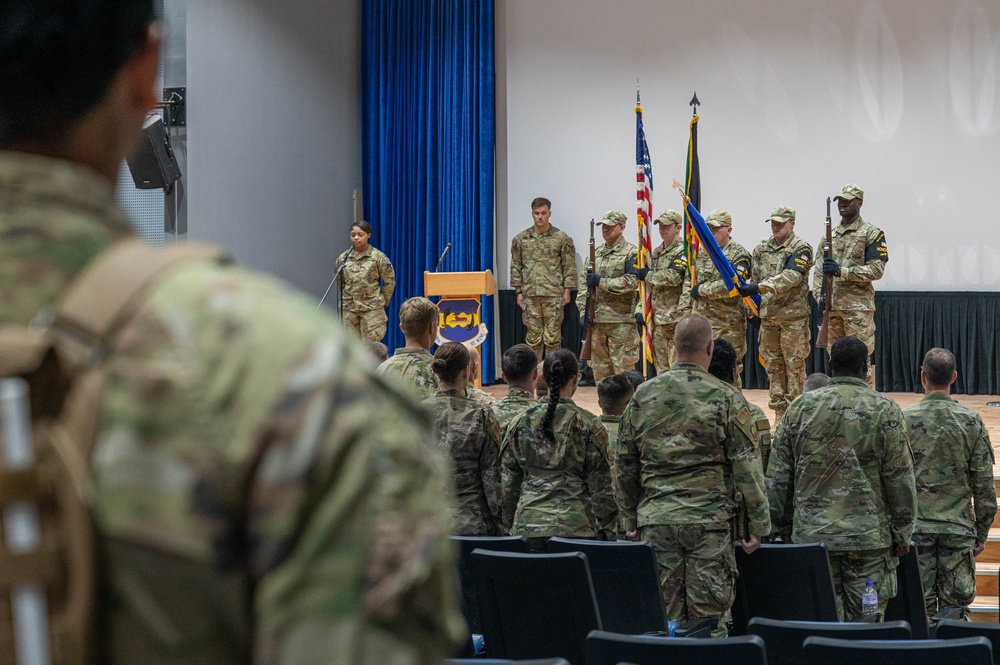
<point x="743" y="416"/>
<point x="763" y="425"/>
<point x="876" y="249"/>
<point x="800" y="260"/>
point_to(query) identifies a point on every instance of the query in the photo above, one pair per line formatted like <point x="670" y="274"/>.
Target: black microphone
<point x="447" y="248"/>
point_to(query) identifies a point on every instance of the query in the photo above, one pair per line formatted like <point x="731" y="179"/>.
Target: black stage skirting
<point x="907" y="325"/>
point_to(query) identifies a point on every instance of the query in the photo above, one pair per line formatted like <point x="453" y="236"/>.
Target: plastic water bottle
<point x="869" y="600"/>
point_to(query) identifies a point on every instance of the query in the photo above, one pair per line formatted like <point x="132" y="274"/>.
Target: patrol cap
<point x="850" y="192"/>
<point x="718" y="218"/>
<point x="668" y="217"/>
<point x="781" y="214"/>
<point x="613" y="218"/>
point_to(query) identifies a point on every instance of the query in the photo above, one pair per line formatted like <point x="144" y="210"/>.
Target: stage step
<point x="985" y="609"/>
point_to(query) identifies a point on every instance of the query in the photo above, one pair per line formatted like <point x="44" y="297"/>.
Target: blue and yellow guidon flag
<point x="460" y="321"/>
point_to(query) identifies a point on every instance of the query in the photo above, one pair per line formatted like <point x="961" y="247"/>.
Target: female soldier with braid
<point x="556" y="480"/>
<point x="470" y="433"/>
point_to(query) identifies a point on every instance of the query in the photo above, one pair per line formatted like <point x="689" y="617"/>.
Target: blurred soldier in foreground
<point x="956" y="500"/>
<point x="841" y="474"/>
<point x="780" y="275"/>
<point x="686" y="447"/>
<point x="615" y="339"/>
<point x="542" y="272"/>
<point x="418" y="319"/>
<point x="259" y="496"/>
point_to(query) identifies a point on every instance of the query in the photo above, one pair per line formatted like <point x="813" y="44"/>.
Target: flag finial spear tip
<point x="694" y="101"/>
<point x="637" y="91"/>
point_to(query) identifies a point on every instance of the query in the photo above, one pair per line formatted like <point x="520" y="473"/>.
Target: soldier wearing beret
<point x="859" y="258"/>
<point x="780" y="274"/>
<point x="615" y="339"/>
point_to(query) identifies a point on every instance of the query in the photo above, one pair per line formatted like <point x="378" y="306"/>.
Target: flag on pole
<point x="692" y="191"/>
<point x="644" y="213"/>
<point x="730" y="277"/>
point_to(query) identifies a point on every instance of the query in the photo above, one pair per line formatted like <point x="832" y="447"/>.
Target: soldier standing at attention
<point x="956" y="500"/>
<point x="290" y="507"/>
<point x="665" y="277"/>
<point x="418" y="319"/>
<point x="367" y="283"/>
<point x="615" y="339"/>
<point x="859" y="258"/>
<point x="613" y="395"/>
<point x="468" y="431"/>
<point x="519" y="370"/>
<point x="542" y="272"/>
<point x="556" y="477"/>
<point x="686" y="446"/>
<point x="841" y="474"/>
<point x="711" y="297"/>
<point x="723" y="367"/>
<point x="780" y="274"/>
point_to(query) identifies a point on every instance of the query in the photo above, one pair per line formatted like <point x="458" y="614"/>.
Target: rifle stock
<point x="822" y="336"/>
<point x="589" y="314"/>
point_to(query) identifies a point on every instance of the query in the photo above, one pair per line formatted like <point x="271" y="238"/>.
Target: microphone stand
<point x="443" y="254"/>
<point x="336" y="276"/>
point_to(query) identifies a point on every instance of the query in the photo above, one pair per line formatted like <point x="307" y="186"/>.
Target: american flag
<point x="644" y="213"/>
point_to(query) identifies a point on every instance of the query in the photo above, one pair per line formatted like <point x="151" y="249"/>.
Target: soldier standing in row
<point x="665" y="276"/>
<point x="956" y="500"/>
<point x="723" y="367"/>
<point x="859" y="258"/>
<point x="780" y="274"/>
<point x="841" y="474"/>
<point x="712" y="299"/>
<point x="519" y="370"/>
<point x="686" y="446"/>
<point x="542" y="272"/>
<point x="615" y="339"/>
<point x="418" y="320"/>
<point x="470" y="434"/>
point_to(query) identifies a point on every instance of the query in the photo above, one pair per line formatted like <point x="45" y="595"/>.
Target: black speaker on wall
<point x="153" y="166"/>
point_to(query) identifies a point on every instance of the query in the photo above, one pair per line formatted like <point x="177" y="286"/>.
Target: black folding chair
<point x="466" y="544"/>
<point x="908" y="604"/>
<point x="951" y="629"/>
<point x="784" y="639"/>
<point x="968" y="651"/>
<point x="611" y="648"/>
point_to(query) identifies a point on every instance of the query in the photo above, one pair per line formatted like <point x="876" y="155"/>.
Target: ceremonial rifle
<point x="591" y="297"/>
<point x="826" y="293"/>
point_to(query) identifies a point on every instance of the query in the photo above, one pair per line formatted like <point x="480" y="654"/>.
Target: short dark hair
<point x="363" y="225"/>
<point x="449" y="361"/>
<point x="58" y="60"/>
<point x="723" y="365"/>
<point x="939" y="367"/>
<point x="519" y="361"/>
<point x="614" y="392"/>
<point x="635" y="377"/>
<point x="815" y="381"/>
<point x="540" y="201"/>
<point x="849" y="357"/>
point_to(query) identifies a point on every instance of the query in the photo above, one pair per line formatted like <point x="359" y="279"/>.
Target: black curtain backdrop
<point x="907" y="324"/>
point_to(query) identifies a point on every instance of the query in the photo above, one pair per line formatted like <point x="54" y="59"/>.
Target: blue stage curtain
<point x="428" y="126"/>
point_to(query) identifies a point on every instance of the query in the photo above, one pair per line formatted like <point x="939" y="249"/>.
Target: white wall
<point x="798" y="99"/>
<point x="274" y="126"/>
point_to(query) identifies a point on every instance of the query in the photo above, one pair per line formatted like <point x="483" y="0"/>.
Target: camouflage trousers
<point x="858" y="323"/>
<point x="947" y="570"/>
<point x="663" y="346"/>
<point x="697" y="565"/>
<point x="543" y="318"/>
<point x="784" y="347"/>
<point x="370" y="325"/>
<point x="614" y="349"/>
<point x="851" y="570"/>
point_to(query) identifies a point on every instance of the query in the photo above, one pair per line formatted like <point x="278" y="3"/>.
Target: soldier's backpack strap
<point x="65" y="369"/>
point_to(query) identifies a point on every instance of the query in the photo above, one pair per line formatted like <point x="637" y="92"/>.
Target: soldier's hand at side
<point x="632" y="535"/>
<point x="694" y="292"/>
<point x="900" y="550"/>
<point x="831" y="267"/>
<point x="566" y="298"/>
<point x="749" y="289"/>
<point x="593" y="280"/>
<point x="520" y="300"/>
<point x="978" y="549"/>
<point x="750" y="545"/>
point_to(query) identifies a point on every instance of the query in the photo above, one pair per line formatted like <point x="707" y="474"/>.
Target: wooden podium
<point x="461" y="306"/>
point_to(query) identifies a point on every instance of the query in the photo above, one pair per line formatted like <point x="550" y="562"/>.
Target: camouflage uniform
<point x="686" y="447"/>
<point x="763" y="427"/>
<point x="413" y="367"/>
<point x="841" y="474"/>
<point x="470" y="434"/>
<point x="542" y="267"/>
<point x="560" y="488"/>
<point x="258" y="494"/>
<point x="510" y="406"/>
<point x="781" y="272"/>
<point x="953" y="464"/>
<point x="615" y="340"/>
<point x="861" y="251"/>
<point x="479" y="395"/>
<point x="364" y="299"/>
<point x="667" y="270"/>
<point x="726" y="313"/>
